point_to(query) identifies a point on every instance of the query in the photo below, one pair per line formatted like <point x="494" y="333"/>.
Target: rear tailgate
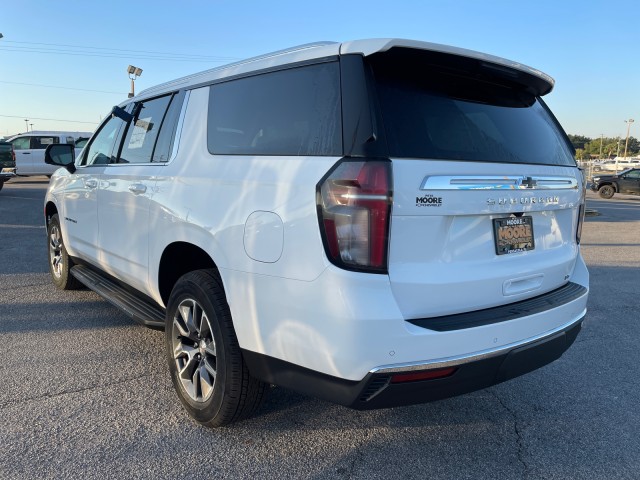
<point x="449" y="253"/>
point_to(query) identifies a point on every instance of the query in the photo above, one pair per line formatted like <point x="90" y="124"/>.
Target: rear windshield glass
<point x="439" y="112"/>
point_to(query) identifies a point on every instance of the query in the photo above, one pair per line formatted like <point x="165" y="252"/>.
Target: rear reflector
<point x="423" y="375"/>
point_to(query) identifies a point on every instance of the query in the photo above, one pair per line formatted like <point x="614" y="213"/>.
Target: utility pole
<point x="601" y="137"/>
<point x="626" y="144"/>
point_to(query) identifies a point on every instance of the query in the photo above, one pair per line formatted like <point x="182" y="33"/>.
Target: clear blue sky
<point x="591" y="48"/>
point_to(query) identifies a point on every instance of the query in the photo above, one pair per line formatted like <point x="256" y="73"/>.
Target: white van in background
<point x="619" y="163"/>
<point x="29" y="148"/>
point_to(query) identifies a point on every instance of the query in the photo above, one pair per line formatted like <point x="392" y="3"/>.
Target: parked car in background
<point x="376" y="223"/>
<point x="7" y="163"/>
<point x="616" y="165"/>
<point x="627" y="181"/>
<point x="29" y="149"/>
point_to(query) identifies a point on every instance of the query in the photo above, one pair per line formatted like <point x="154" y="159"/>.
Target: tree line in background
<point x="605" y="147"/>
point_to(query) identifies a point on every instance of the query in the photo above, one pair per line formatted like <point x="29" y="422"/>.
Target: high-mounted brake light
<point x="354" y="207"/>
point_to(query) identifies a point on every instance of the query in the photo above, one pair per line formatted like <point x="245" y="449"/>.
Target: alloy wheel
<point x="607" y="191"/>
<point x="194" y="350"/>
<point x="55" y="251"/>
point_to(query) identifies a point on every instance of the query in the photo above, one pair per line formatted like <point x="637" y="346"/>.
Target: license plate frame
<point x="513" y="235"/>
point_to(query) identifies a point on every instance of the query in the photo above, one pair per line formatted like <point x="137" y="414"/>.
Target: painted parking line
<point x="6" y="225"/>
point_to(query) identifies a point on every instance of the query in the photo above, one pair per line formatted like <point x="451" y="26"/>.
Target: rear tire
<point x="59" y="261"/>
<point x="1" y="185"/>
<point x="606" y="191"/>
<point x="204" y="357"/>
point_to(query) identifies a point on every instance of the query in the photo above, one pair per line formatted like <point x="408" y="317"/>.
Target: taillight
<point x="581" y="208"/>
<point x="13" y="154"/>
<point x="354" y="207"/>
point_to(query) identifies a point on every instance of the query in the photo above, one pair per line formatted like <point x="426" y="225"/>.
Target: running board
<point x="139" y="309"/>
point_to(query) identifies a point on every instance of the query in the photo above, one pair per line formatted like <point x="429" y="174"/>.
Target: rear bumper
<point x="7" y="175"/>
<point x="356" y="326"/>
<point x="378" y="389"/>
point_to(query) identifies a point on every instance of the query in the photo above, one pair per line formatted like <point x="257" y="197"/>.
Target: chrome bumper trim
<point x="473" y="357"/>
<point x="507" y="182"/>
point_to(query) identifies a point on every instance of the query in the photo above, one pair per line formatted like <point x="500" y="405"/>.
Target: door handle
<point x="91" y="183"/>
<point x="26" y="153"/>
<point x="137" y="188"/>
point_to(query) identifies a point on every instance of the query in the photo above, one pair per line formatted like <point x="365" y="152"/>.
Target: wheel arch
<point x="612" y="184"/>
<point x="178" y="259"/>
<point x="50" y="210"/>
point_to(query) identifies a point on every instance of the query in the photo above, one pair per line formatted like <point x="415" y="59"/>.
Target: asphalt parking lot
<point x="86" y="392"/>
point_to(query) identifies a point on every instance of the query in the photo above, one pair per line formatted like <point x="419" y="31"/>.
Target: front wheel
<point x="59" y="261"/>
<point x="205" y="361"/>
<point x="606" y="191"/>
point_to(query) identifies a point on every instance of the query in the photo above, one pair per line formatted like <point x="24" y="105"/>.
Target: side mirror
<point x="62" y="155"/>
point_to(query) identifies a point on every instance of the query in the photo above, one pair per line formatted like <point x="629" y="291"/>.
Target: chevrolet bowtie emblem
<point x="528" y="182"/>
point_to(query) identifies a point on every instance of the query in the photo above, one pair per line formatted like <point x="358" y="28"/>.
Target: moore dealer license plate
<point x="513" y="234"/>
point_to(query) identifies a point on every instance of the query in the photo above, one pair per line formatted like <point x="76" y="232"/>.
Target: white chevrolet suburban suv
<point x="375" y="223"/>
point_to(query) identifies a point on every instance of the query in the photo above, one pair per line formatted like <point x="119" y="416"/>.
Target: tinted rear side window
<point x="436" y="112"/>
<point x="289" y="112"/>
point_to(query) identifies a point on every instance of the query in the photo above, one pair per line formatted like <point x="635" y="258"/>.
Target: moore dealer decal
<point x="428" y="201"/>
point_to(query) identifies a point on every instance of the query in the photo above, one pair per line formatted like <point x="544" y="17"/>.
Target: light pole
<point x="618" y="152"/>
<point x="26" y="122"/>
<point x="134" y="72"/>
<point x="626" y="144"/>
<point x="31" y="126"/>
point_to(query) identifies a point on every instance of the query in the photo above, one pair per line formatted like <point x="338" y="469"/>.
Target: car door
<point x="22" y="149"/>
<point x="80" y="205"/>
<point x="127" y="188"/>
<point x="630" y="182"/>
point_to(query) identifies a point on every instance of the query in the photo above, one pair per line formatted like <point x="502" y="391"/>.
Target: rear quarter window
<point x="289" y="112"/>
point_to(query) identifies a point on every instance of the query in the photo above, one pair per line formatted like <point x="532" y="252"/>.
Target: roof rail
<point x="187" y="78"/>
